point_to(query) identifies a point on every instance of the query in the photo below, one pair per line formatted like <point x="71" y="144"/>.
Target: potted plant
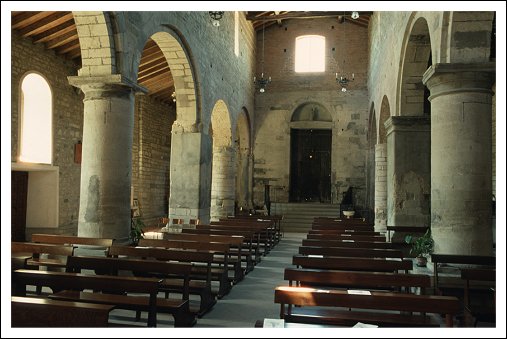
<point x="421" y="247"/>
<point x="136" y="231"/>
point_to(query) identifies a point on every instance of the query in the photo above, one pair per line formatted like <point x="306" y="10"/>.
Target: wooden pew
<point x="141" y="268"/>
<point x="357" y="280"/>
<point x="235" y="242"/>
<point x="198" y="287"/>
<point x="346" y="243"/>
<point x="402" y="302"/>
<point x="350" y="252"/>
<point x="486" y="312"/>
<point x="218" y="273"/>
<point x="440" y="259"/>
<point x="267" y="227"/>
<point x="56" y="239"/>
<point x="61" y="281"/>
<point x="342" y="227"/>
<point x="42" y="312"/>
<point x="342" y="231"/>
<point x="249" y="252"/>
<point x="346" y="236"/>
<point x="261" y="228"/>
<point x="333" y="220"/>
<point x="36" y="250"/>
<point x="277" y="219"/>
<point x="351" y="263"/>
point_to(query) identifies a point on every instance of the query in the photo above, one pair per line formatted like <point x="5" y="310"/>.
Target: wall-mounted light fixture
<point x="355" y="15"/>
<point x="216" y="17"/>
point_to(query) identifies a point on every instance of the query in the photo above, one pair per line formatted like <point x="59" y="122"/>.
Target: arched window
<point x="310" y="53"/>
<point x="36" y="120"/>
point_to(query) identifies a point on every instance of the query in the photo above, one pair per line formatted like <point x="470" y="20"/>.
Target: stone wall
<point x="288" y="90"/>
<point x="67" y="120"/>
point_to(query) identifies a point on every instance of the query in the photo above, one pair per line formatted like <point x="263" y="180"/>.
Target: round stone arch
<point x="243" y="160"/>
<point x="222" y="176"/>
<point x="178" y="57"/>
<point x="311" y="115"/>
<point x="414" y="61"/>
<point x="95" y="34"/>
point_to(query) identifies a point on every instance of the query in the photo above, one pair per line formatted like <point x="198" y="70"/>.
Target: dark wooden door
<point x="310" y="173"/>
<point x="19" y="192"/>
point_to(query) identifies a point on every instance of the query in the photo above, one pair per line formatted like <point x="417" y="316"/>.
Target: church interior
<point x="213" y="169"/>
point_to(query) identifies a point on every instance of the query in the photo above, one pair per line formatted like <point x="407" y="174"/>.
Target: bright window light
<point x="310" y="53"/>
<point x="36" y="120"/>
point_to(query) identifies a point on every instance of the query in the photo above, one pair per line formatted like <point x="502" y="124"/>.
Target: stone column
<point x="106" y="167"/>
<point x="408" y="170"/>
<point x="189" y="196"/>
<point x="242" y="178"/>
<point x="380" y="187"/>
<point x="222" y="185"/>
<point x="461" y="189"/>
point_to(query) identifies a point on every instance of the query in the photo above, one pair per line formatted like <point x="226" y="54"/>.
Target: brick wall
<point x="288" y="90"/>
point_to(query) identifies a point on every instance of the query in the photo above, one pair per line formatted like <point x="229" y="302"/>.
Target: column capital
<point x="105" y="85"/>
<point x="444" y="79"/>
<point x="408" y="124"/>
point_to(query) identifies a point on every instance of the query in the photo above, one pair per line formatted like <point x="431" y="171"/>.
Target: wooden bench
<point x="178" y="308"/>
<point x="350" y="252"/>
<point x="37" y="252"/>
<point x="359" y="280"/>
<point x="400" y="302"/>
<point x="346" y="236"/>
<point x="346" y="243"/>
<point x="75" y="282"/>
<point x="262" y="230"/>
<point x="249" y="252"/>
<point x="277" y="219"/>
<point x="220" y="250"/>
<point x="342" y="231"/>
<point x="267" y="228"/>
<point x="201" y="286"/>
<point x="105" y="243"/>
<point x="42" y="312"/>
<point x="438" y="260"/>
<point x="351" y="263"/>
<point x="486" y="311"/>
<point x="342" y="227"/>
<point x="235" y="245"/>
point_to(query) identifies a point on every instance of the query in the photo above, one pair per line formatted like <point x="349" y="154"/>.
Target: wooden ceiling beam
<point x="47" y="23"/>
<point x="149" y="65"/>
<point x="162" y="70"/>
<point x="159" y="81"/>
<point x="63" y="39"/>
<point x="55" y="32"/>
<point x="68" y="47"/>
<point x="23" y="19"/>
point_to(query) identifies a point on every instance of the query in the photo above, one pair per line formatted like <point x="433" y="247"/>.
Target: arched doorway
<point x="310" y="164"/>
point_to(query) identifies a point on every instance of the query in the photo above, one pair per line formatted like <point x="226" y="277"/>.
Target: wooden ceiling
<point x="58" y="32"/>
<point x="277" y="17"/>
